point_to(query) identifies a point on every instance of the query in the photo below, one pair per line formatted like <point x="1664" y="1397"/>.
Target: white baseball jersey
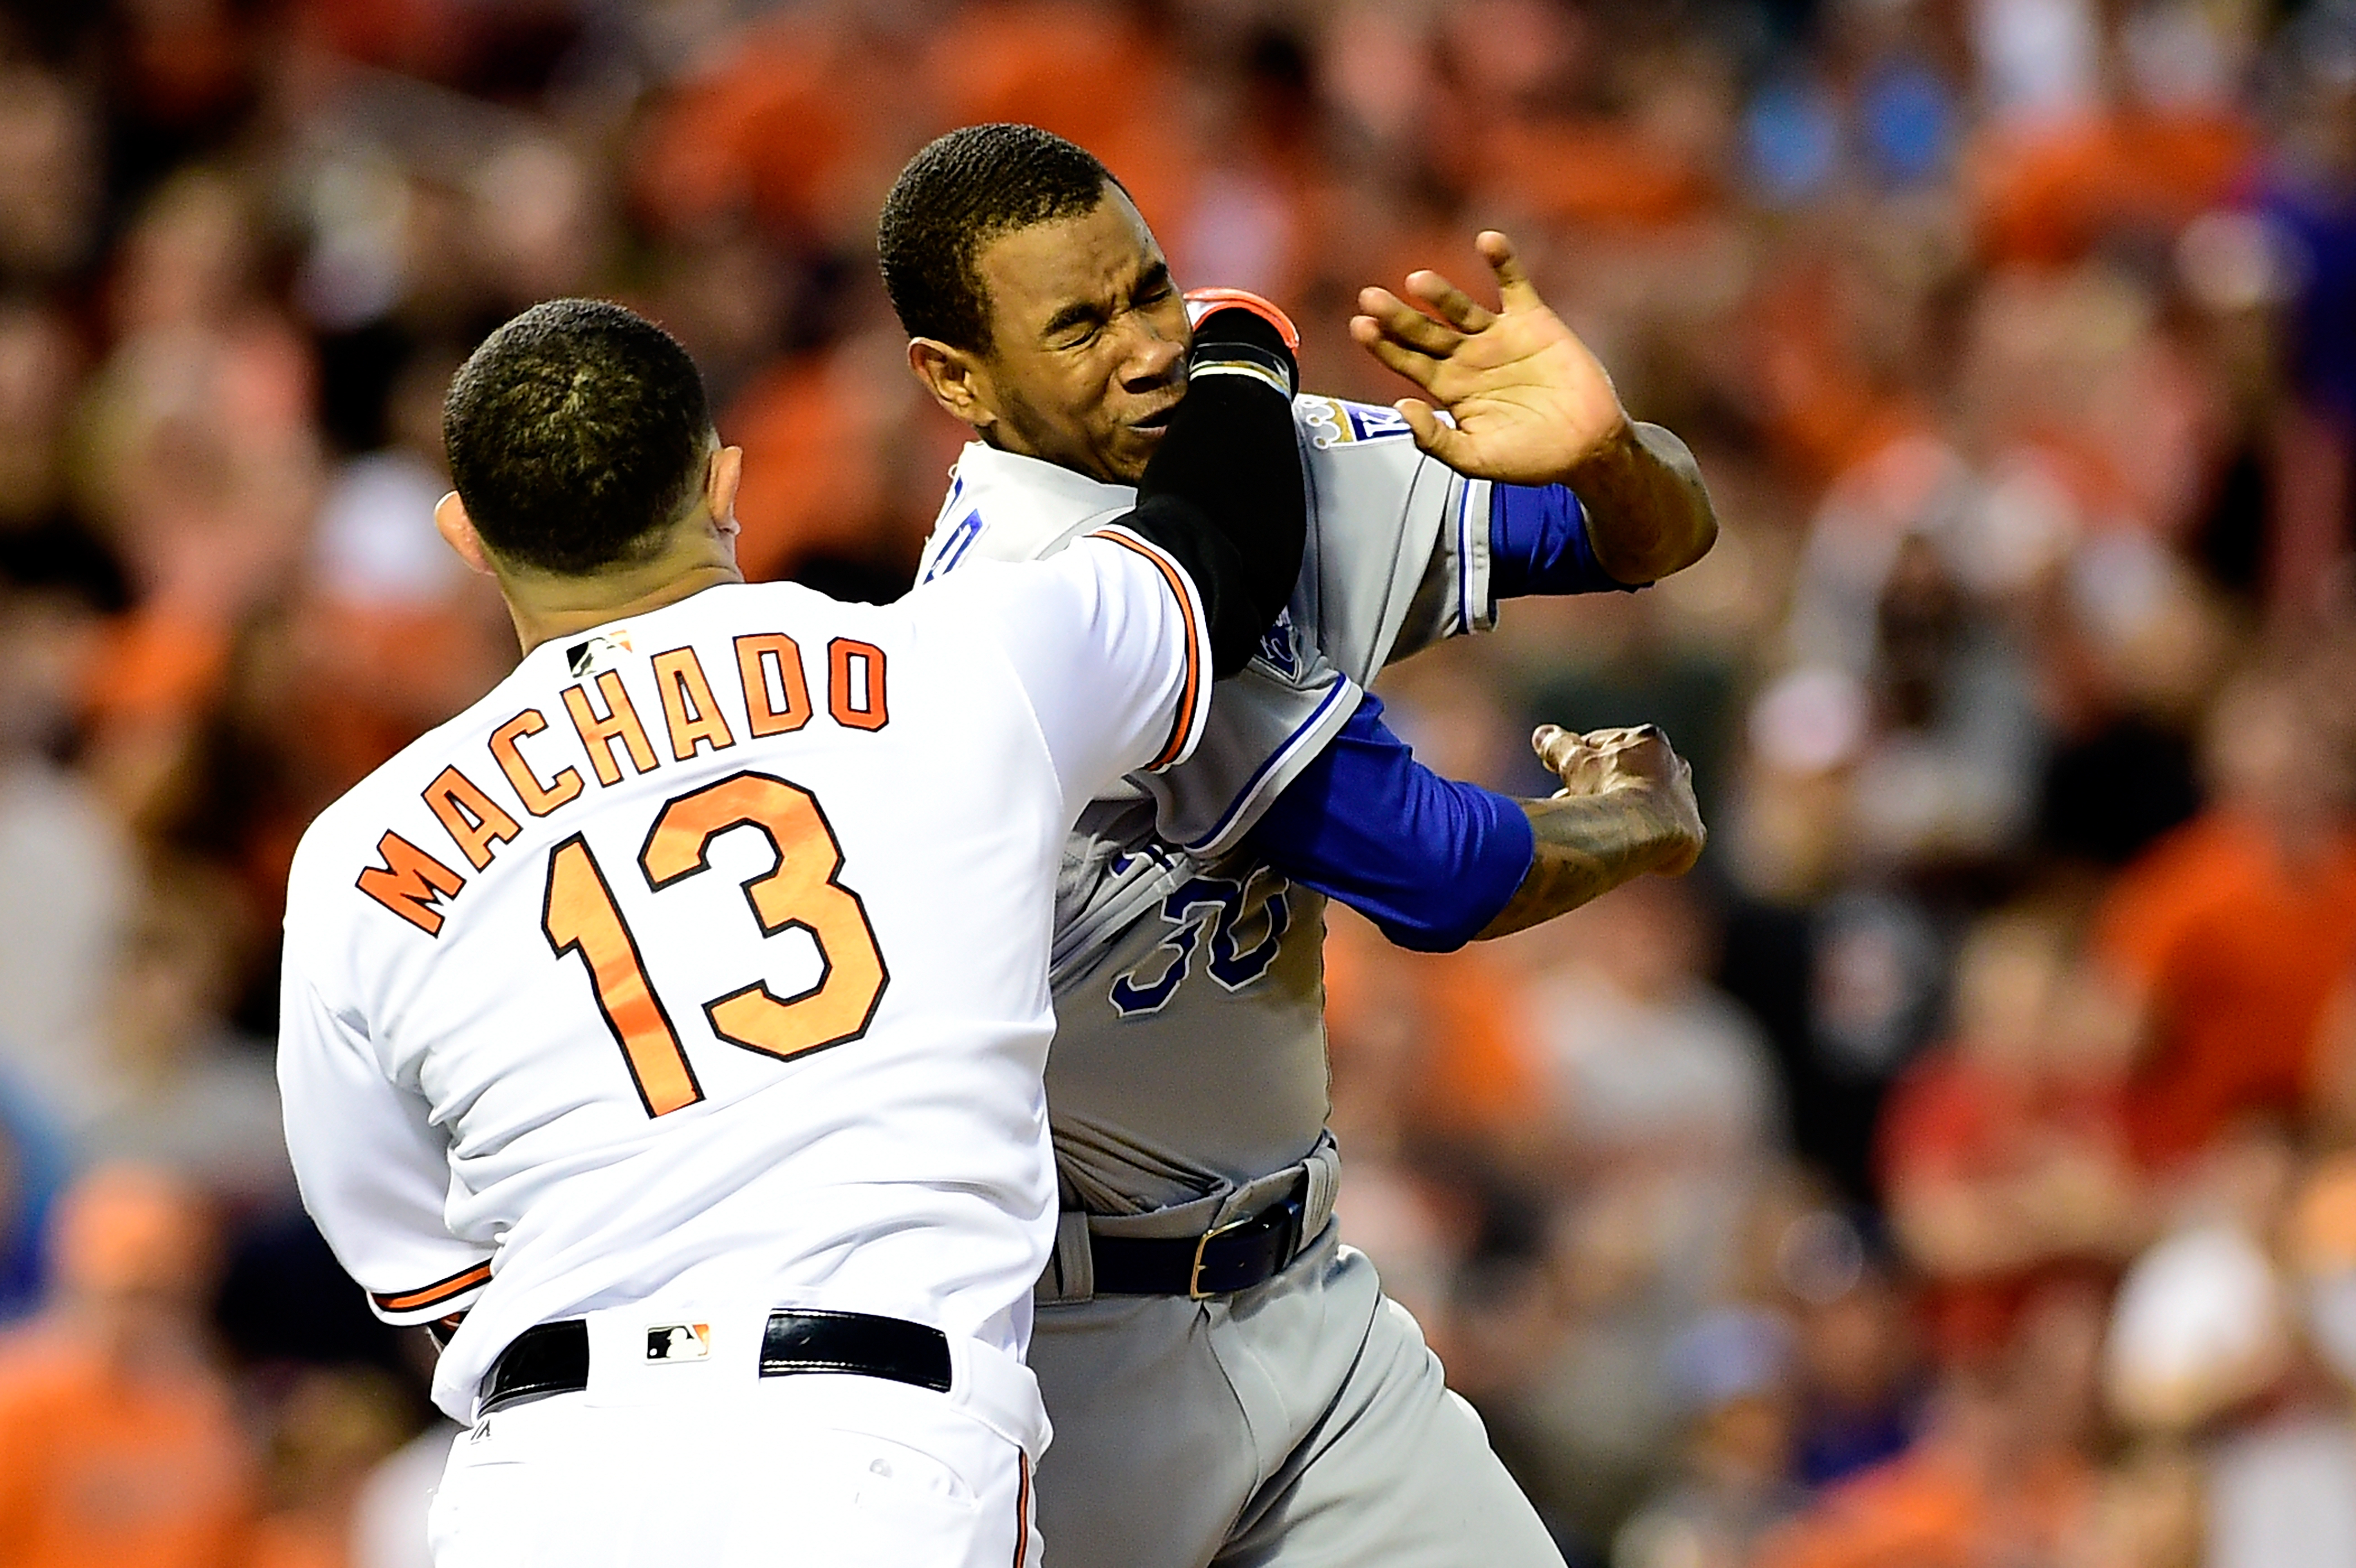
<point x="707" y="955"/>
<point x="1189" y="977"/>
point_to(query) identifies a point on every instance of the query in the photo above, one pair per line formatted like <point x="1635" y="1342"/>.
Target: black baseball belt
<point x="554" y="1357"/>
<point x="1221" y="1261"/>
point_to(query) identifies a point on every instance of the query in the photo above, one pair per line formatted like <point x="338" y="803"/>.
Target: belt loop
<point x="1323" y="1168"/>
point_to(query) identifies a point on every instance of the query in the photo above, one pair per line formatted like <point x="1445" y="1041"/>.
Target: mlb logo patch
<point x="670" y="1342"/>
<point x="596" y="653"/>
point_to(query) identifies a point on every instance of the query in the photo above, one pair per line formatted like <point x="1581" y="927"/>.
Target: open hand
<point x="1636" y="763"/>
<point x="1530" y="403"/>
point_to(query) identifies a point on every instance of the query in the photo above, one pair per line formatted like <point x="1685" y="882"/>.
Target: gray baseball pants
<point x="1302" y="1423"/>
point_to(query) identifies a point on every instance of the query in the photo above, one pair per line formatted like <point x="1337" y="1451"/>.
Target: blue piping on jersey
<point x="961" y="539"/>
<point x="1464" y="554"/>
<point x="1291" y="744"/>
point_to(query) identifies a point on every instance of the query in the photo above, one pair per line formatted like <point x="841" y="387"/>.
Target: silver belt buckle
<point x="1195" y="1291"/>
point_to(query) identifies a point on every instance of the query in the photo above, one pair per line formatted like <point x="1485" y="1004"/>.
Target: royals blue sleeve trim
<point x="1538" y="545"/>
<point x="1429" y="861"/>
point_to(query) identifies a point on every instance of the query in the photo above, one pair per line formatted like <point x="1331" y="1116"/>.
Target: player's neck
<point x="545" y="607"/>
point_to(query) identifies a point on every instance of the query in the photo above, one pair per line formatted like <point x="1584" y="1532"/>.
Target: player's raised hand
<point x="1638" y="766"/>
<point x="1530" y="403"/>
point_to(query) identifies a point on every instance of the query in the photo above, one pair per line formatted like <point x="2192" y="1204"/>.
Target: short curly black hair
<point x="964" y="190"/>
<point x="575" y="433"/>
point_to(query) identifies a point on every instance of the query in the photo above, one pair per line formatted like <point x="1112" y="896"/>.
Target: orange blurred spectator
<point x="1441" y="1036"/>
<point x="1099" y="75"/>
<point x="2003" y="1153"/>
<point x="118" y="1443"/>
<point x="814" y="478"/>
<point x="2001" y="1476"/>
<point x="798" y="122"/>
<point x="2048" y="195"/>
<point x="2231" y="934"/>
<point x="1827" y="403"/>
<point x="417" y="38"/>
<point x="1601" y="172"/>
<point x="197" y="450"/>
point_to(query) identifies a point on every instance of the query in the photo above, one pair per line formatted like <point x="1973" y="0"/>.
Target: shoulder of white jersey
<point x="976" y="596"/>
<point x="1195" y="692"/>
<point x="1004" y="506"/>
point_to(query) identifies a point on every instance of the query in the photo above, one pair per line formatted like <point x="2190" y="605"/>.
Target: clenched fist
<point x="1637" y="767"/>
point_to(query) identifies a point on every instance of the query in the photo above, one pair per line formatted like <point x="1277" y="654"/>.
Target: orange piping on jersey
<point x="537" y="798"/>
<point x="1022" y="1508"/>
<point x="475" y="822"/>
<point x="433" y="1294"/>
<point x="690" y="710"/>
<point x="1183" y="731"/>
<point x="620" y="722"/>
<point x="764" y="718"/>
<point x="410" y="883"/>
<point x="838" y="654"/>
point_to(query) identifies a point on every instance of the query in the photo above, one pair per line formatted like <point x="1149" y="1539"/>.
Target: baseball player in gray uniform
<point x="1228" y="1380"/>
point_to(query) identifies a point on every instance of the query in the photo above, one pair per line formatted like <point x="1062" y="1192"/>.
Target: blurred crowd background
<point x="1958" y="1171"/>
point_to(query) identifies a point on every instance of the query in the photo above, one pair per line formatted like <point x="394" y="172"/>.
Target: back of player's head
<point x="964" y="190"/>
<point x="575" y="433"/>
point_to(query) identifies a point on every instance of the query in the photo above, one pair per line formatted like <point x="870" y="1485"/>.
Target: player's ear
<point x="954" y="378"/>
<point x="723" y="474"/>
<point x="457" y="531"/>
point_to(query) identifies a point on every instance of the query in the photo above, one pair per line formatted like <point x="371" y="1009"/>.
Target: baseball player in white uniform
<point x="1229" y="1382"/>
<point x="661" y="1024"/>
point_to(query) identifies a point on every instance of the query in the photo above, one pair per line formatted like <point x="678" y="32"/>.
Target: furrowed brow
<point x="1079" y="313"/>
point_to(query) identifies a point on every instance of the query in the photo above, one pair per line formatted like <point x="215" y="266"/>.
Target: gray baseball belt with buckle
<point x="1216" y="1246"/>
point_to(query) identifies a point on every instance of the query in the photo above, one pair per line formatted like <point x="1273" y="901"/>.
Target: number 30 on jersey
<point x="579" y="915"/>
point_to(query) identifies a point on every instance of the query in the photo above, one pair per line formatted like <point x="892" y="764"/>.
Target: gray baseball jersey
<point x="1188" y="976"/>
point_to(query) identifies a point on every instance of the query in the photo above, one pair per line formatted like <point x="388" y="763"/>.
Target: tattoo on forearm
<point x="1587" y="845"/>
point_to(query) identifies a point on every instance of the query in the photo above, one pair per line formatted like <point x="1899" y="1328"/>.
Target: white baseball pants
<point x="716" y="1468"/>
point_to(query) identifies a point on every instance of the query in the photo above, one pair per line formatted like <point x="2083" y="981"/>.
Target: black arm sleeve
<point x="1223" y="495"/>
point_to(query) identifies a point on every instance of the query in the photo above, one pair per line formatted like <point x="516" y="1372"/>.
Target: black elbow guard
<point x="1224" y="492"/>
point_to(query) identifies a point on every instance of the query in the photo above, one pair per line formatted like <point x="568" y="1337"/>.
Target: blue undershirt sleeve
<point x="1538" y="544"/>
<point x="1429" y="861"/>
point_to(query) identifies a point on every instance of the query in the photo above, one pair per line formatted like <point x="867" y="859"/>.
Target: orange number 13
<point x="799" y="893"/>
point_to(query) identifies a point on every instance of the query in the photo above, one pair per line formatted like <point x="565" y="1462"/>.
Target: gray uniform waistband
<point x="1071" y="1274"/>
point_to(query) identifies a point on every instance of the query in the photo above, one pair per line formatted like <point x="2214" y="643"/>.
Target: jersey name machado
<point x="692" y="980"/>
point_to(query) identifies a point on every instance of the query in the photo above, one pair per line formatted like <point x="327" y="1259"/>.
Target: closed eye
<point x="1074" y="324"/>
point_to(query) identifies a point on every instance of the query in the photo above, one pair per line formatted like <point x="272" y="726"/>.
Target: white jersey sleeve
<point x="374" y="1169"/>
<point x="1109" y="641"/>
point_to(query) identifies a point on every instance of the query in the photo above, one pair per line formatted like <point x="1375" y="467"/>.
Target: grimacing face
<point x="1087" y="354"/>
